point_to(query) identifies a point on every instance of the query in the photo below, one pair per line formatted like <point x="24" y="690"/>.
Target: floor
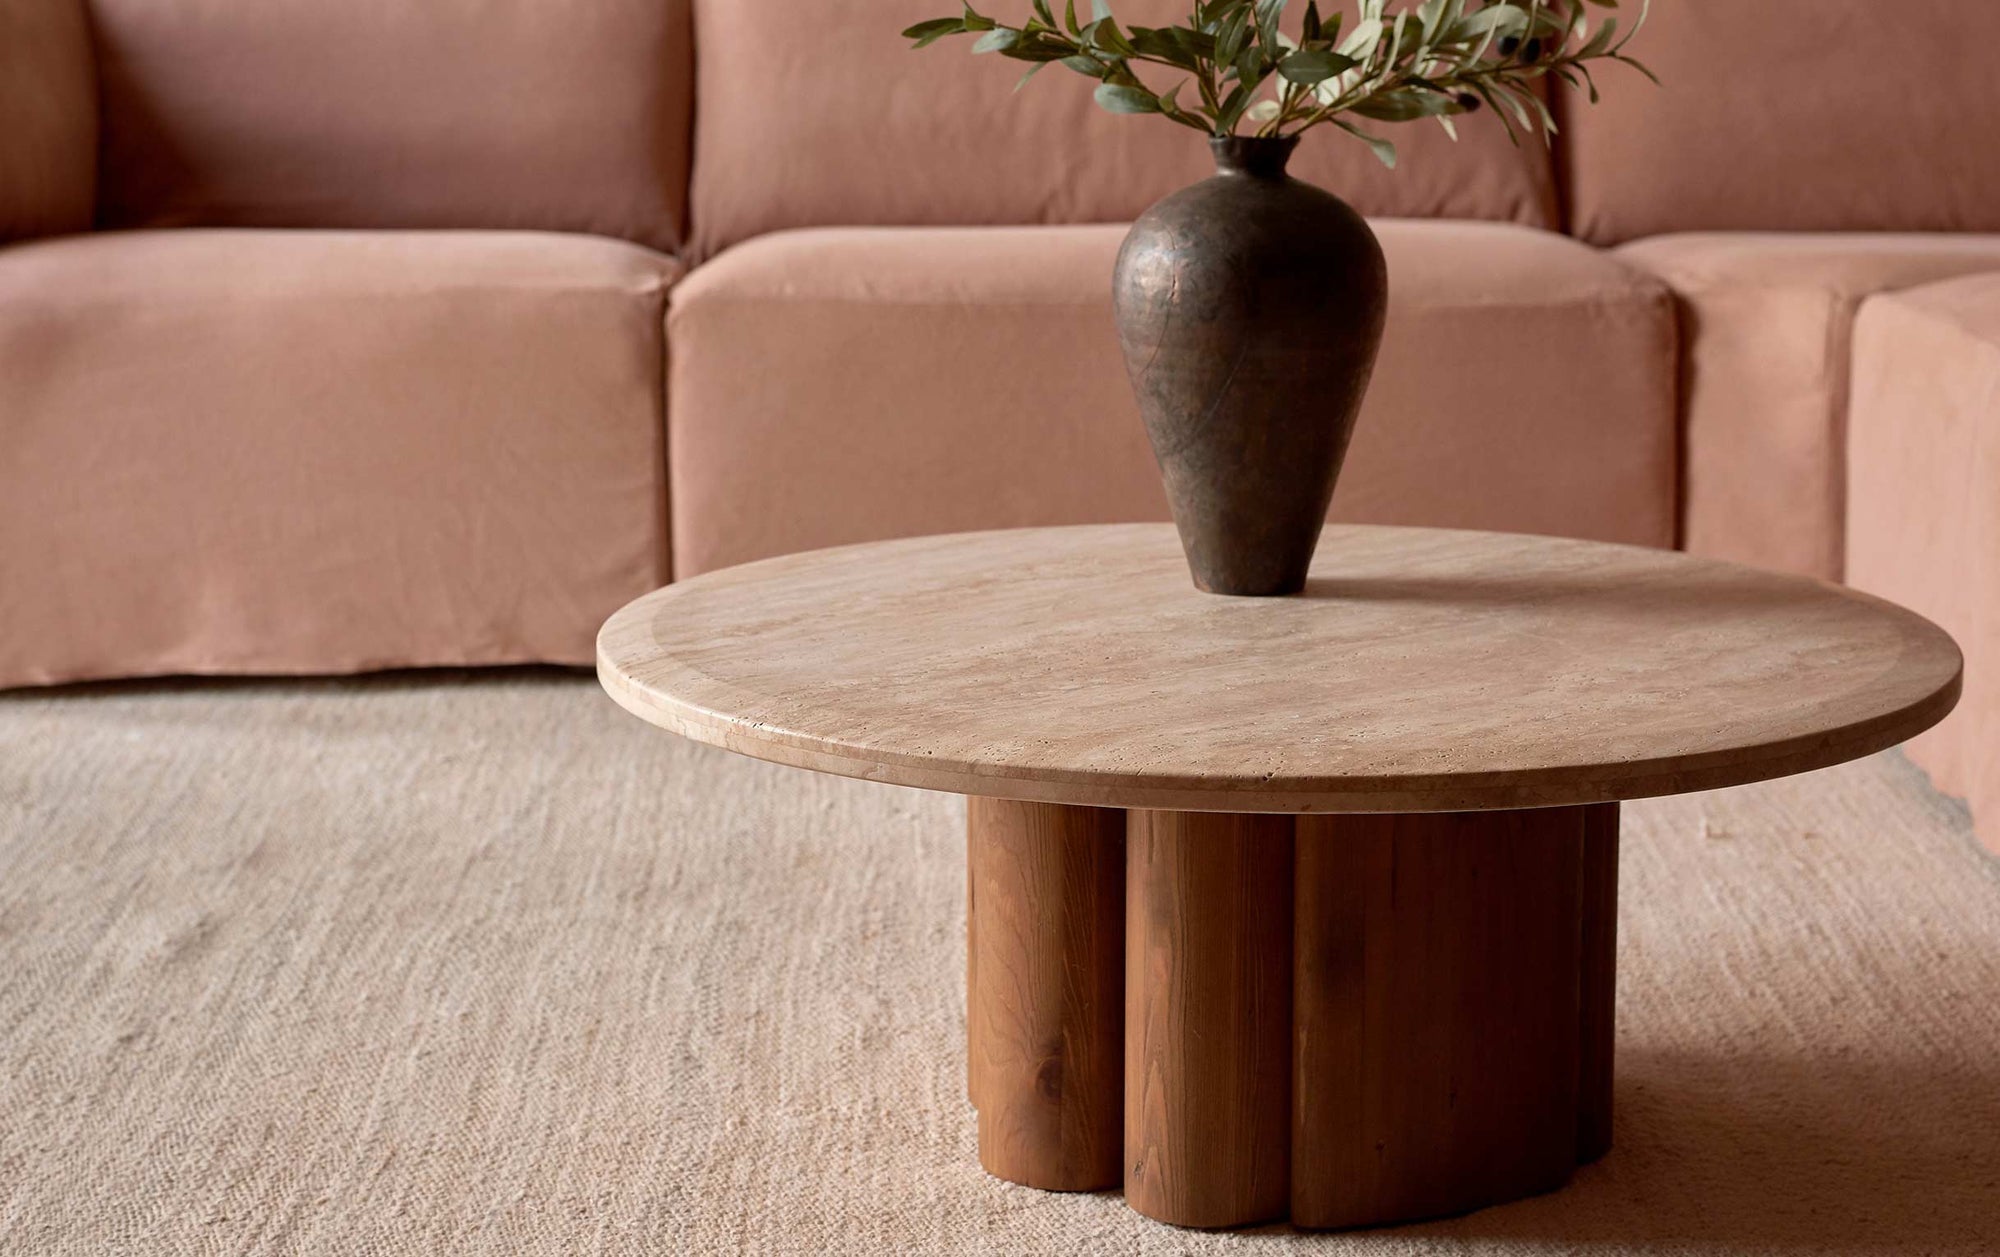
<point x="478" y="964"/>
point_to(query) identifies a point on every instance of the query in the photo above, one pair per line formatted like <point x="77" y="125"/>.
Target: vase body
<point x="1250" y="310"/>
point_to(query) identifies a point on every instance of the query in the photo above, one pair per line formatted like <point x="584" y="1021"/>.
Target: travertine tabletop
<point x="1422" y="670"/>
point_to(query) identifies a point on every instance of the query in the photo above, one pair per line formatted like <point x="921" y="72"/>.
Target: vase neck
<point x="1260" y="157"/>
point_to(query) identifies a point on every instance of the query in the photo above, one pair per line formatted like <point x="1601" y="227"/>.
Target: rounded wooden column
<point x="1208" y="1017"/>
<point x="1046" y="922"/>
<point x="1453" y="1017"/>
<point x="1600" y="981"/>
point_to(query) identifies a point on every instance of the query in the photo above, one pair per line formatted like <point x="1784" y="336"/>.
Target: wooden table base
<point x="1343" y="1020"/>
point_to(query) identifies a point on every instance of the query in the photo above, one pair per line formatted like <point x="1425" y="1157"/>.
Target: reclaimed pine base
<point x="1341" y="1020"/>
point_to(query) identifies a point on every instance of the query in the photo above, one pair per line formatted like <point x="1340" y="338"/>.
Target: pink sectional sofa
<point x="381" y="334"/>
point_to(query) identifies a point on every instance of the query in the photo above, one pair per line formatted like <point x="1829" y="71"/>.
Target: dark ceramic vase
<point x="1250" y="308"/>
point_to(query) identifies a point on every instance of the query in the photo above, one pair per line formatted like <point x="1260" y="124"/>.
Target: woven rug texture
<point x="477" y="963"/>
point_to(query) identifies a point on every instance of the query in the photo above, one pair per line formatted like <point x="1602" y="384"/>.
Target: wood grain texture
<point x="1208" y="1017"/>
<point x="971" y="951"/>
<point x="1600" y="982"/>
<point x="1422" y="670"/>
<point x="1046" y="1005"/>
<point x="1438" y="973"/>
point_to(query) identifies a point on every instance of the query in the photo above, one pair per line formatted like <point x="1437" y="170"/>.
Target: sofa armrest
<point x="48" y="116"/>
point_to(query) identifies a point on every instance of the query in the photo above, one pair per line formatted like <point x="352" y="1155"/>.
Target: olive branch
<point x="1435" y="59"/>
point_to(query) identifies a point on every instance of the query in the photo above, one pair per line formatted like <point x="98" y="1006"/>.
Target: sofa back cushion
<point x="1832" y="115"/>
<point x="821" y="115"/>
<point x="564" y="115"/>
<point x="48" y="118"/>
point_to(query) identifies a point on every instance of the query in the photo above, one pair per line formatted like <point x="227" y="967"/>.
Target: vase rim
<point x="1263" y="155"/>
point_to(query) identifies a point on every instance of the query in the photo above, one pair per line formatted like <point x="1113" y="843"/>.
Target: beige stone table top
<point x="1422" y="670"/>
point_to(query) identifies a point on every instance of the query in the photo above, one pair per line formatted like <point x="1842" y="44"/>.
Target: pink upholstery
<point x="324" y="450"/>
<point x="568" y="115"/>
<point x="48" y="118"/>
<point x="840" y="385"/>
<point x="1768" y="318"/>
<point x="237" y="451"/>
<point x="1834" y="115"/>
<point x="1924" y="528"/>
<point x="831" y="120"/>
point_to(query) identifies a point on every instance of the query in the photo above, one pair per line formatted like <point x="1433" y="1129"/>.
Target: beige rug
<point x="482" y="965"/>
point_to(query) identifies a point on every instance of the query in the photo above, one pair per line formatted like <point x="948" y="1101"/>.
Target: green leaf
<point x="1268" y="14"/>
<point x="928" y="33"/>
<point x="1520" y="111"/>
<point x="1495" y="21"/>
<point x="1250" y="66"/>
<point x="1307" y="68"/>
<point x="1107" y="36"/>
<point x="1362" y="40"/>
<point x="1640" y="66"/>
<point x="1210" y="16"/>
<point x="1402" y="60"/>
<point x="1229" y="39"/>
<point x="1176" y="47"/>
<point x="1232" y="110"/>
<point x="1404" y="104"/>
<point x="1600" y="43"/>
<point x="1118" y="98"/>
<point x="1384" y="151"/>
<point x="1039" y="48"/>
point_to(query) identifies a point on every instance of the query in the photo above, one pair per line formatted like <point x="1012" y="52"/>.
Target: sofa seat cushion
<point x="561" y="115"/>
<point x="1768" y="322"/>
<point x="866" y="131"/>
<point x="1923" y="527"/>
<point x="843" y="385"/>
<point x="290" y="452"/>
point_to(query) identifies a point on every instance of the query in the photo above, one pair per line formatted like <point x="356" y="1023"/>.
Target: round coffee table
<point x="1284" y="907"/>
